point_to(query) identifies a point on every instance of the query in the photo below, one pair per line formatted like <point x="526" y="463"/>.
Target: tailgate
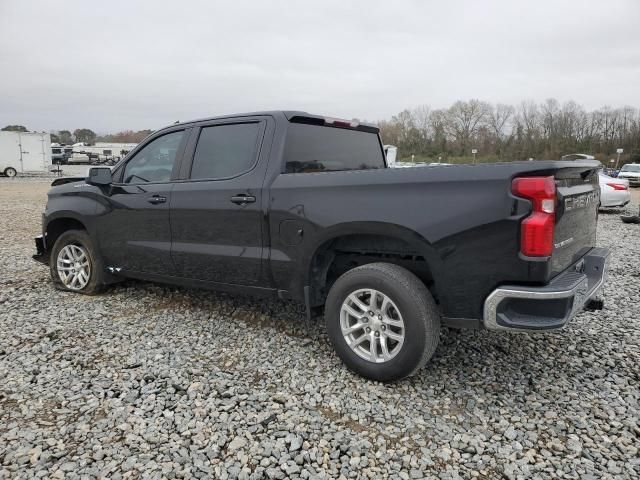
<point x="578" y="194"/>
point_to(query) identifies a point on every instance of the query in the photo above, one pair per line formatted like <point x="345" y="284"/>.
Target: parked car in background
<point x="631" y="172"/>
<point x="614" y="192"/>
<point x="60" y="154"/>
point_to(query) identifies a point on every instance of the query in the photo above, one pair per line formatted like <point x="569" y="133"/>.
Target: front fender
<point x="80" y="206"/>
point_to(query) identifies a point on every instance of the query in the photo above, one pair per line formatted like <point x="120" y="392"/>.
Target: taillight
<point x="618" y="186"/>
<point x="536" y="231"/>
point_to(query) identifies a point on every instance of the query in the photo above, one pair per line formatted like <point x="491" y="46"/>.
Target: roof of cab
<point x="290" y="115"/>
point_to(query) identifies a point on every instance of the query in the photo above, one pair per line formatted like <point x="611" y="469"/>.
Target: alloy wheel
<point x="372" y="325"/>
<point x="74" y="267"/>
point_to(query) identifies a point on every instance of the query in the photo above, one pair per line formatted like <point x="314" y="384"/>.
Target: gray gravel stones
<point x="149" y="381"/>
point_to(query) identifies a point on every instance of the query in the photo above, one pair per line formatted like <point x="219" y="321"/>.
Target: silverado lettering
<point x="581" y="201"/>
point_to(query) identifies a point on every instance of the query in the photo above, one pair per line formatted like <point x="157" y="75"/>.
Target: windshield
<point x="631" y="168"/>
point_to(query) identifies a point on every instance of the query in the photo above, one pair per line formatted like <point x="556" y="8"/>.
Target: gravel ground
<point x="149" y="381"/>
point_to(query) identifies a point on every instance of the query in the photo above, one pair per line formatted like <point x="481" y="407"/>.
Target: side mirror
<point x="99" y="176"/>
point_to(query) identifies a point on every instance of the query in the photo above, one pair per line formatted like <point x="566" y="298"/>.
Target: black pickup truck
<point x="302" y="207"/>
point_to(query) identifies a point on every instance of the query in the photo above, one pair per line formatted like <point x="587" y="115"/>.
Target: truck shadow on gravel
<point x="285" y="317"/>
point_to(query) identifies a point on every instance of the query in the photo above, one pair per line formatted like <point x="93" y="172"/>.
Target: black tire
<point x="96" y="276"/>
<point x="413" y="300"/>
<point x="10" y="172"/>
<point x="630" y="218"/>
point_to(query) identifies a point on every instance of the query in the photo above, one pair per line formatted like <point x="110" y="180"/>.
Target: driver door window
<point x="154" y="163"/>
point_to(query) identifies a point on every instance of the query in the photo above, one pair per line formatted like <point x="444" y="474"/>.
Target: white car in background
<point x="614" y="192"/>
<point x="631" y="171"/>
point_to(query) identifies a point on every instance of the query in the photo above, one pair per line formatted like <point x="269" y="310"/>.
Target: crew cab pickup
<point x="298" y="206"/>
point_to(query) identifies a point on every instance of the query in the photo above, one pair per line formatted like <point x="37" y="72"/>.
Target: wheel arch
<point x="350" y="245"/>
<point x="60" y="224"/>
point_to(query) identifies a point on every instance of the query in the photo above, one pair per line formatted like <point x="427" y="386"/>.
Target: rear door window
<point x="226" y="151"/>
<point x="315" y="148"/>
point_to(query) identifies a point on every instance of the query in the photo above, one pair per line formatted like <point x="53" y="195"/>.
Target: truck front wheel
<point x="382" y="321"/>
<point x="75" y="265"/>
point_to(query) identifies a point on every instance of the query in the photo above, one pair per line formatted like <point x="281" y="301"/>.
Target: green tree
<point x="126" y="136"/>
<point x="65" y="137"/>
<point x="15" y="128"/>
<point x="54" y="138"/>
<point x="84" y="135"/>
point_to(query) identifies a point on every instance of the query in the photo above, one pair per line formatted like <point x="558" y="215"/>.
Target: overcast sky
<point x="115" y="65"/>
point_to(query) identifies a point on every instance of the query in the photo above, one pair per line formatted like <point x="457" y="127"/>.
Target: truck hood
<point x="72" y="186"/>
<point x="65" y="180"/>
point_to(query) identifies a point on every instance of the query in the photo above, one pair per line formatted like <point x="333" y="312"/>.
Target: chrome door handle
<point x="243" y="199"/>
<point x="156" y="199"/>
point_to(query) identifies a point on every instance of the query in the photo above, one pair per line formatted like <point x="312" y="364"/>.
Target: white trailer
<point x="24" y="152"/>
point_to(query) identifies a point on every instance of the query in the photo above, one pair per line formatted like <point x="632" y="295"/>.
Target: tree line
<point x="89" y="137"/>
<point x="501" y="132"/>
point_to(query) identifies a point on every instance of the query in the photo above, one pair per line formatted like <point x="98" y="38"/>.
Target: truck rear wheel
<point x="75" y="265"/>
<point x="382" y="321"/>
<point x="10" y="172"/>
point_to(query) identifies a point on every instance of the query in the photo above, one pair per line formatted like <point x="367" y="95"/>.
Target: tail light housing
<point x="618" y="186"/>
<point x="536" y="230"/>
<point x="336" y="122"/>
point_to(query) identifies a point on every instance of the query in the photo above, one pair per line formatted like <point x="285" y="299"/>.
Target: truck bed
<point x="466" y="219"/>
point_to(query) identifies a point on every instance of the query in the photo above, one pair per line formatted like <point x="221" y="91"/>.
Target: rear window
<point x="313" y="148"/>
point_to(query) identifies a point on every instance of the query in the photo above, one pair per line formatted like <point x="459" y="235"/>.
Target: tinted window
<point x="313" y="148"/>
<point x="155" y="161"/>
<point x="225" y="151"/>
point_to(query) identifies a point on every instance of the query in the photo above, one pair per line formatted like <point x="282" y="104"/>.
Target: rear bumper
<point x="518" y="308"/>
<point x="41" y="254"/>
